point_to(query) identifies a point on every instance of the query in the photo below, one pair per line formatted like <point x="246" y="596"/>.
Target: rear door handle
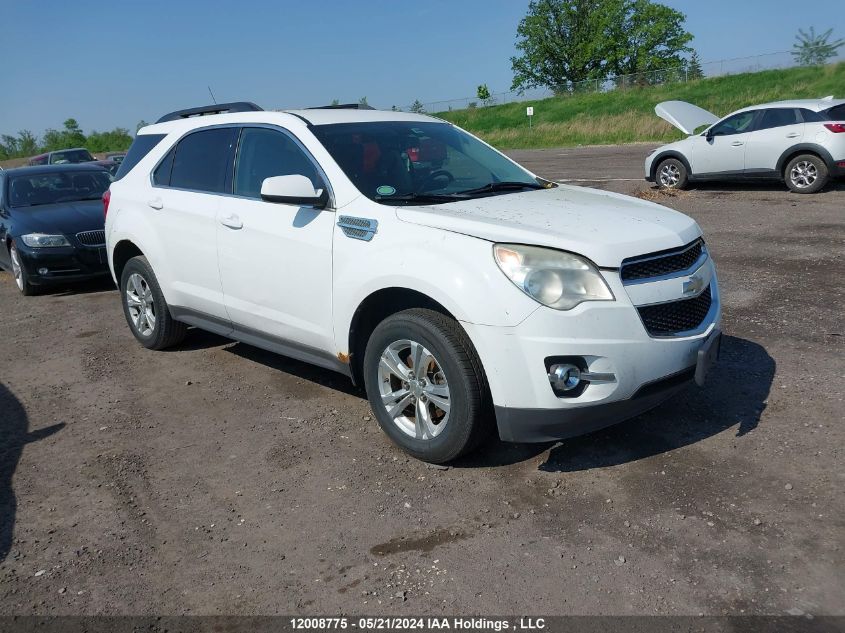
<point x="232" y="221"/>
<point x="156" y="203"/>
<point x="738" y="143"/>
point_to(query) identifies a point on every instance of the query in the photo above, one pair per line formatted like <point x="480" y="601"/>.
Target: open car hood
<point x="685" y="116"/>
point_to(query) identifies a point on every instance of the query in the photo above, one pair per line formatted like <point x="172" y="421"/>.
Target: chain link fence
<point x="768" y="61"/>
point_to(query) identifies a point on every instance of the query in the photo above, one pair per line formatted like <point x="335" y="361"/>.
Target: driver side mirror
<point x="709" y="134"/>
<point x="295" y="189"/>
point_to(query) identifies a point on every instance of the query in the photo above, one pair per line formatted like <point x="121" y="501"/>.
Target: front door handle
<point x="232" y="221"/>
<point x="738" y="143"/>
<point x="793" y="135"/>
<point x="156" y="203"/>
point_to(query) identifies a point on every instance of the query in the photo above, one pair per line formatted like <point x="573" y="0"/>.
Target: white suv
<point x="799" y="142"/>
<point x="458" y="288"/>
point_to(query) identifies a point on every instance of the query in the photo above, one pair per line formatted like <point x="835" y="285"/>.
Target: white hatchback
<point x="463" y="292"/>
<point x="799" y="142"/>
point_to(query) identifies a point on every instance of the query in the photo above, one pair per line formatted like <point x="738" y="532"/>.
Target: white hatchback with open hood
<point x="800" y="142"/>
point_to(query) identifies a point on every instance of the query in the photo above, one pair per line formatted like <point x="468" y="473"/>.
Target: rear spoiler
<point x="217" y="108"/>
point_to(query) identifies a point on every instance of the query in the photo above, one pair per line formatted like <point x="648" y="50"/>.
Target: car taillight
<point x="836" y="128"/>
<point x="106" y="200"/>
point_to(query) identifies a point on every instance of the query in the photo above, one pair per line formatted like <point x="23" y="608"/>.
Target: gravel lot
<point x="217" y="478"/>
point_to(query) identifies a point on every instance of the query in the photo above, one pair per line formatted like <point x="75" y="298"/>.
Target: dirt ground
<point x="220" y="479"/>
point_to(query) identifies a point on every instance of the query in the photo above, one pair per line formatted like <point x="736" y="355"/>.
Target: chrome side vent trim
<point x="357" y="228"/>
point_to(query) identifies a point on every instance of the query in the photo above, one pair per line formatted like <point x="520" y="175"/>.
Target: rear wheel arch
<point x="798" y="150"/>
<point x="123" y="252"/>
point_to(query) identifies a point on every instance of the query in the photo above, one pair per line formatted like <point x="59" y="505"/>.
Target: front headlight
<point x="41" y="240"/>
<point x="556" y="279"/>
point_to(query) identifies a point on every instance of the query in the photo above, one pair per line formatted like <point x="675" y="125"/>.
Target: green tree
<point x="141" y="124"/>
<point x="363" y="101"/>
<point x="335" y="102"/>
<point x="27" y="143"/>
<point x="417" y="107"/>
<point x="812" y="49"/>
<point x="694" y="70"/>
<point x="563" y="42"/>
<point x="116" y="140"/>
<point x="483" y="93"/>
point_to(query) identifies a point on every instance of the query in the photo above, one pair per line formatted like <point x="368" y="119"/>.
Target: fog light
<point x="564" y="377"/>
<point x="43" y="271"/>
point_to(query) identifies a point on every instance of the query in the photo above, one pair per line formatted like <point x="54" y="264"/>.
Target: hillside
<point x="626" y="116"/>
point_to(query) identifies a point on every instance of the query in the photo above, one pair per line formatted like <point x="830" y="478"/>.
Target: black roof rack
<point x="344" y="106"/>
<point x="217" y="108"/>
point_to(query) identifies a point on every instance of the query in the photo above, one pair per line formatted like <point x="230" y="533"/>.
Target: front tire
<point x="426" y="385"/>
<point x="20" y="274"/>
<point x="145" y="309"/>
<point x="806" y="173"/>
<point x="671" y="174"/>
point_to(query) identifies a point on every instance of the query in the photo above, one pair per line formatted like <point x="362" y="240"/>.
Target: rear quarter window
<point x="141" y="146"/>
<point x="836" y="113"/>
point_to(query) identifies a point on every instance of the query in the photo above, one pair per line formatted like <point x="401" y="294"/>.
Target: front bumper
<point x="63" y="264"/>
<point x="611" y="339"/>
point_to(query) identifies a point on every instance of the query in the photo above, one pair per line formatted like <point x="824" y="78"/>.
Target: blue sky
<point x="112" y="64"/>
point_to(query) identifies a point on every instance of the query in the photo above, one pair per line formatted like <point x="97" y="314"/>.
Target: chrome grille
<point x="92" y="238"/>
<point x="662" y="263"/>
<point x="668" y="319"/>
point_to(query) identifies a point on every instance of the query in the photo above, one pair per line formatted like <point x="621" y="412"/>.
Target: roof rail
<point x="344" y="106"/>
<point x="217" y="108"/>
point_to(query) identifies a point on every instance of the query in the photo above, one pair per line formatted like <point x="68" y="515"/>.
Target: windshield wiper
<point x="423" y="197"/>
<point x="492" y="187"/>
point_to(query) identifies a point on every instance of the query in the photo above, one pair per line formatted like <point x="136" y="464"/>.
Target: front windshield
<point x="38" y="189"/>
<point x="396" y="162"/>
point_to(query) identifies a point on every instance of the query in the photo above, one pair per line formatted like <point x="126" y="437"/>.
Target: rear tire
<point x="145" y="309"/>
<point x="20" y="274"/>
<point x="671" y="174"/>
<point x="416" y="362"/>
<point x="806" y="173"/>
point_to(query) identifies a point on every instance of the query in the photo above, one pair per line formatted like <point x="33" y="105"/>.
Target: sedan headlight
<point x="556" y="279"/>
<point x="42" y="240"/>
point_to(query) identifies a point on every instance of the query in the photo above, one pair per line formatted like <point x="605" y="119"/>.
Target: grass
<point x="627" y="116"/>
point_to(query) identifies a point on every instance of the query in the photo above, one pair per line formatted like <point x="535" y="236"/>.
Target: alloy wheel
<point x="669" y="175"/>
<point x="141" y="304"/>
<point x="803" y="174"/>
<point x="414" y="390"/>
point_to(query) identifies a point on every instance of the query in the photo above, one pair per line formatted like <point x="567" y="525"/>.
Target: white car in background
<point x="799" y="142"/>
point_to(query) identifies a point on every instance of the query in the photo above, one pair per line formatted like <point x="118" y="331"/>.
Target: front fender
<point x="456" y="271"/>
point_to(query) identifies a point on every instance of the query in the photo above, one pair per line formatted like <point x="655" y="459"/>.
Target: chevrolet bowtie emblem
<point x="694" y="285"/>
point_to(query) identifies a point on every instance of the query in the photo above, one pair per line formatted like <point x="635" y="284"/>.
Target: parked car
<point x="63" y="156"/>
<point x="403" y="252"/>
<point x="51" y="224"/>
<point x="799" y="142"/>
<point x="116" y="157"/>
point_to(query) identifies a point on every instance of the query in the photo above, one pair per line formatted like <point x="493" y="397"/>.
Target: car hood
<point x="67" y="218"/>
<point x="684" y="116"/>
<point x="602" y="226"/>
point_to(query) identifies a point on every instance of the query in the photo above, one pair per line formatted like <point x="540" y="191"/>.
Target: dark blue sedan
<point x="52" y="228"/>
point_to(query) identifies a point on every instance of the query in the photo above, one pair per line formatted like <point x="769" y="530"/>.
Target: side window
<point x="736" y="124"/>
<point x="201" y="160"/>
<point x="778" y="117"/>
<point x="263" y="153"/>
<point x="161" y="175"/>
<point x="810" y="116"/>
